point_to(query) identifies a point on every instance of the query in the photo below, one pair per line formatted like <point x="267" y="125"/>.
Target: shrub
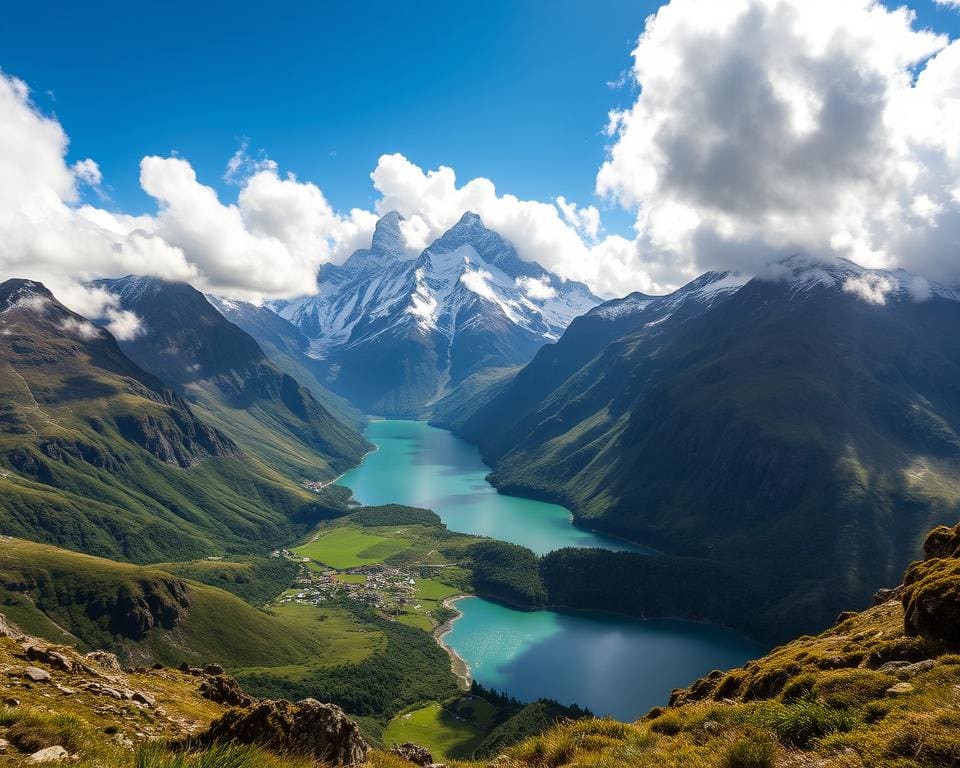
<point x="225" y="756"/>
<point x="798" y="724"/>
<point x="755" y="750"/>
<point x="847" y="688"/>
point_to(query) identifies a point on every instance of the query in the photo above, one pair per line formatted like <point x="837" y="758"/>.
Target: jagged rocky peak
<point x="387" y="237"/>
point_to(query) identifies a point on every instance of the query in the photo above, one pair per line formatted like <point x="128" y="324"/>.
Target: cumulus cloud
<point x="269" y="244"/>
<point x="769" y="126"/>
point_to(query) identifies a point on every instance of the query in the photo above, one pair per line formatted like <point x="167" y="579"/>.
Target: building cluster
<point x="386" y="588"/>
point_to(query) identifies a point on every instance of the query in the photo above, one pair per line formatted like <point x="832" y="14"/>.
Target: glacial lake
<point x="423" y="466"/>
<point x="613" y="666"/>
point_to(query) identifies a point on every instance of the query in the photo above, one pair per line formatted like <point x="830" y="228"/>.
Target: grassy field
<point x="347" y="547"/>
<point x="430" y="595"/>
<point x="435" y="728"/>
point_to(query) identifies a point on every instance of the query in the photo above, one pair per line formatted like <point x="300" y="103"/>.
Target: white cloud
<point x="764" y="127"/>
<point x="476" y="280"/>
<point x="586" y="219"/>
<point x="949" y="3"/>
<point x="82" y="329"/>
<point x="88" y="172"/>
<point x="241" y="165"/>
<point x="537" y="288"/>
<point x="870" y="288"/>
<point x="269" y="244"/>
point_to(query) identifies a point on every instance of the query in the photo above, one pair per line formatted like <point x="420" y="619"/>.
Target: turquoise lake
<point x="423" y="466"/>
<point x="611" y="665"/>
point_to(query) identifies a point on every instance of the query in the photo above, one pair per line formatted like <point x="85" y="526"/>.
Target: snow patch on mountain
<point x="378" y="290"/>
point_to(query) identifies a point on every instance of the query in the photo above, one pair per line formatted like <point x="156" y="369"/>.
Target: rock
<point x="900" y="689"/>
<point x="413" y="753"/>
<point x="10" y="701"/>
<point x="144" y="698"/>
<point x="845" y="615"/>
<point x="225" y="690"/>
<point x="48" y="755"/>
<point x="213" y="669"/>
<point x="36" y="674"/>
<point x="55" y="659"/>
<point x="4" y="745"/>
<point x="105" y="659"/>
<point x="308" y="728"/>
<point x="892" y="667"/>
<point x="942" y="542"/>
<point x="931" y="600"/>
<point x="8" y="630"/>
<point x="711" y="726"/>
<point x="918" y="668"/>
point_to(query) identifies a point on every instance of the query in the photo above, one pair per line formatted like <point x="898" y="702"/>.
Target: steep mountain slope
<point x="229" y="379"/>
<point x="97" y="454"/>
<point x="395" y="332"/>
<point x="287" y="348"/>
<point x="787" y="424"/>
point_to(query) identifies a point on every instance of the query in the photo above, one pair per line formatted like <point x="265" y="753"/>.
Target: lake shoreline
<point x="458" y="664"/>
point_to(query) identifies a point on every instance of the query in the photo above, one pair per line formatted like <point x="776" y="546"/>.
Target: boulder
<point x="413" y="753"/>
<point x="931" y="600"/>
<point x="143" y="698"/>
<point x="308" y="729"/>
<point x="53" y="658"/>
<point x="36" y="675"/>
<point x="213" y="669"/>
<point x="225" y="690"/>
<point x="49" y="755"/>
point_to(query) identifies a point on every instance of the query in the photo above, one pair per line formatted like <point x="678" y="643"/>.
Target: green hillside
<point x="232" y="384"/>
<point x="98" y="455"/>
<point x="775" y="433"/>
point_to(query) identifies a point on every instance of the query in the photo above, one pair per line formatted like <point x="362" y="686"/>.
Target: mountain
<point x="395" y="333"/>
<point x="287" y="348"/>
<point x="230" y="381"/>
<point x="789" y="425"/>
<point x="99" y="455"/>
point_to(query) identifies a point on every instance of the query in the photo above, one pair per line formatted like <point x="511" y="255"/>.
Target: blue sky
<point x="514" y="91"/>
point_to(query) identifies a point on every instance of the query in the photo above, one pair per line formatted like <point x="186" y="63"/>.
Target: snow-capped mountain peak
<point x="469" y="298"/>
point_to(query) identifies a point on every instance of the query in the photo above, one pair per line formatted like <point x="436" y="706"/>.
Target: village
<point x="388" y="589"/>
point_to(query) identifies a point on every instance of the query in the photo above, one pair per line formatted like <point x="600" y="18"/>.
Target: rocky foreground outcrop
<point x="189" y="708"/>
<point x="306" y="728"/>
<point x="931" y="589"/>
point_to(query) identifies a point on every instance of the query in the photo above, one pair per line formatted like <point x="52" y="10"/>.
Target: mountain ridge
<point x="397" y="332"/>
